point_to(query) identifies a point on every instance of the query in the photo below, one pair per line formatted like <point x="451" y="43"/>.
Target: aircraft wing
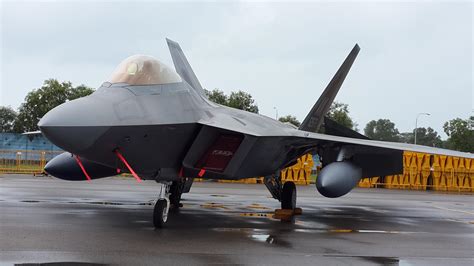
<point x="375" y="158"/>
<point x="366" y="143"/>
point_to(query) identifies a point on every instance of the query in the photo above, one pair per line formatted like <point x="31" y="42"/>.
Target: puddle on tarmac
<point x="270" y="239"/>
<point x="257" y="214"/>
<point x="259" y="235"/>
<point x="258" y="206"/>
<point x="372" y="259"/>
<point x="142" y="221"/>
<point x="255" y="231"/>
<point x="93" y="202"/>
<point x="345" y="231"/>
<point x="212" y="205"/>
<point x="68" y="263"/>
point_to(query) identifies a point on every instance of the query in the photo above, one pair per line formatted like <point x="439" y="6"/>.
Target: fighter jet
<point x="157" y="124"/>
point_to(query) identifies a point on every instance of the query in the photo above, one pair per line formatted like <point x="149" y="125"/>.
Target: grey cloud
<point x="415" y="57"/>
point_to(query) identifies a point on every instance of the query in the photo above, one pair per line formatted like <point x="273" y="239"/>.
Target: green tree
<point x="243" y="101"/>
<point x="79" y="92"/>
<point x="239" y="100"/>
<point x="339" y="112"/>
<point x="460" y="133"/>
<point x="424" y="136"/>
<point x="7" y="119"/>
<point x="217" y="96"/>
<point x="382" y="129"/>
<point x="406" y="137"/>
<point x="290" y="119"/>
<point x="39" y="101"/>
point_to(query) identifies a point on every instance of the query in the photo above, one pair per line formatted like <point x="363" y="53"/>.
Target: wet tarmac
<point x="108" y="221"/>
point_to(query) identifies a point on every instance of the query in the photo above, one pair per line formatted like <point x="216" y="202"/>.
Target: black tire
<point x="160" y="213"/>
<point x="288" y="196"/>
<point x="176" y="190"/>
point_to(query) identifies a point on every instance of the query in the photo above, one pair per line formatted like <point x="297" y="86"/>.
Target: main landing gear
<point x="285" y="193"/>
<point x="288" y="196"/>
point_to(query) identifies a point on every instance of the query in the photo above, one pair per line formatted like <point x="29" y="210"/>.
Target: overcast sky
<point x="415" y="56"/>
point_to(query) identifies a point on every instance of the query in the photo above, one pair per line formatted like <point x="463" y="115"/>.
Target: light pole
<point x="276" y="113"/>
<point x="416" y="122"/>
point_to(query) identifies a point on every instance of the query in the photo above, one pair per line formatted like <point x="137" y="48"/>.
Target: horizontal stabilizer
<point x="331" y="127"/>
<point x="315" y="118"/>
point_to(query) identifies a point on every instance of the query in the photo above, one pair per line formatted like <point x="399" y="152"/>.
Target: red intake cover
<point x="220" y="153"/>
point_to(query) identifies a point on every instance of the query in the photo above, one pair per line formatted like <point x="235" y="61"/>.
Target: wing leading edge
<point x="336" y="140"/>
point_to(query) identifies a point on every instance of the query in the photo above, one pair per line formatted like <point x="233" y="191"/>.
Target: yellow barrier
<point x="420" y="171"/>
<point x="24" y="161"/>
<point x="437" y="172"/>
<point x="299" y="173"/>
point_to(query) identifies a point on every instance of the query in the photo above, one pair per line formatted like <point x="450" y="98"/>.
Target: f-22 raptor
<point x="158" y="124"/>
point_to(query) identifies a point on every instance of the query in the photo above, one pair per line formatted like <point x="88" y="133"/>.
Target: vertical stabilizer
<point x="315" y="118"/>
<point x="182" y="66"/>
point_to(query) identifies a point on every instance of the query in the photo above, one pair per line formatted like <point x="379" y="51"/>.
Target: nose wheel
<point x="162" y="207"/>
<point x="160" y="213"/>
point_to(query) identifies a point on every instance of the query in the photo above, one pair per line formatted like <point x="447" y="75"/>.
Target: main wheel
<point x="160" y="213"/>
<point x="176" y="190"/>
<point x="288" y="196"/>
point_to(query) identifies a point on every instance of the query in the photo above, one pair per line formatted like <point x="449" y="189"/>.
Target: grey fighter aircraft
<point x="157" y="124"/>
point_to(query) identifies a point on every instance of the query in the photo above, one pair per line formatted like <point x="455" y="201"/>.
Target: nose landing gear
<point x="169" y="199"/>
<point x="162" y="206"/>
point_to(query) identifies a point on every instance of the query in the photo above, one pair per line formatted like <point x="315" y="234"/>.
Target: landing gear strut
<point x="162" y="206"/>
<point x="285" y="193"/>
<point x="176" y="190"/>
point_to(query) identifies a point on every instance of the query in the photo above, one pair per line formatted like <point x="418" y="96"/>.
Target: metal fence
<point x="24" y="161"/>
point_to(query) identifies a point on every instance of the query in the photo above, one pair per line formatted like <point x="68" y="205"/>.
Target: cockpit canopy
<point x="143" y="70"/>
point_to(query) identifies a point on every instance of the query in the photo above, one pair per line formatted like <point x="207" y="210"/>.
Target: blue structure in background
<point x="24" y="143"/>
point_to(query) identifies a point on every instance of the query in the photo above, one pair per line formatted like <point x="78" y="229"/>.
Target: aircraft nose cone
<point x="72" y="126"/>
